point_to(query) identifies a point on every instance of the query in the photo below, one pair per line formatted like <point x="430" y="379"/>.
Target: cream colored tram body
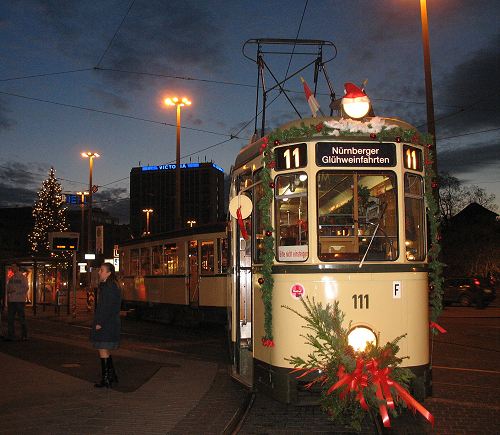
<point x="347" y="229"/>
<point x="179" y="276"/>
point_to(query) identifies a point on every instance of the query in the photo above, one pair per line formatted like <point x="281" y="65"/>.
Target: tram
<point x="348" y="213"/>
<point x="348" y="218"/>
<point x="180" y="276"/>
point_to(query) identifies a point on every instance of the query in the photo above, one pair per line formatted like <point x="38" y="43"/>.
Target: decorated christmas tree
<point x="48" y="213"/>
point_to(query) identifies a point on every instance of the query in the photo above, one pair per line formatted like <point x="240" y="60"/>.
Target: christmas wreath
<point x="352" y="382"/>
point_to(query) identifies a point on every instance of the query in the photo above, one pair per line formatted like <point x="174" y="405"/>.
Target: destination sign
<point x="355" y="154"/>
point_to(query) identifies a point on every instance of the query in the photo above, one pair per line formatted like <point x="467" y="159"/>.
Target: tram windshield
<point x="353" y="208"/>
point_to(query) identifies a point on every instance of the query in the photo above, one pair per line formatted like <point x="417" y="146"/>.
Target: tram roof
<point x="191" y="231"/>
<point x="252" y="150"/>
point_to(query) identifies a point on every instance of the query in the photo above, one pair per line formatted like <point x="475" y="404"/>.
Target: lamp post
<point x="90" y="155"/>
<point x="174" y="101"/>
<point x="191" y="223"/>
<point x="82" y="207"/>
<point x="431" y="126"/>
<point x="148" y="211"/>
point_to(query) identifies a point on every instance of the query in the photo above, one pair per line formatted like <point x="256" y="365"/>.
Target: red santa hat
<point x="356" y="103"/>
<point x="355" y="94"/>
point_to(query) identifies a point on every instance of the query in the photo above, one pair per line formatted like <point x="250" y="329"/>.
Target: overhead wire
<point x="116" y="32"/>
<point x="46" y="74"/>
<point x="121" y="115"/>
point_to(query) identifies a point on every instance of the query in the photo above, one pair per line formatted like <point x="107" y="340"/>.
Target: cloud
<point x="5" y="122"/>
<point x="171" y="37"/>
<point x="116" y="201"/>
<point x="469" y="158"/>
<point x="111" y="99"/>
<point x="473" y="85"/>
<point x="11" y="196"/>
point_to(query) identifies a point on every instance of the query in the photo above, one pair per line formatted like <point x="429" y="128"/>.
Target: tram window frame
<point x="210" y="258"/>
<point x="302" y="227"/>
<point x="414" y="215"/>
<point x="351" y="240"/>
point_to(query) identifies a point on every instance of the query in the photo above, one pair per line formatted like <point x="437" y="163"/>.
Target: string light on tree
<point x="49" y="214"/>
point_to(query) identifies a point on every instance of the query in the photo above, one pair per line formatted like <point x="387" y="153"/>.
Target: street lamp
<point x="174" y="101"/>
<point x="82" y="207"/>
<point x="191" y="223"/>
<point x="431" y="126"/>
<point x="148" y="211"/>
<point x="90" y="155"/>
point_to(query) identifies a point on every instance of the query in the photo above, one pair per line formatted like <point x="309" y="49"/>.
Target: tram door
<point x="194" y="276"/>
<point x="244" y="347"/>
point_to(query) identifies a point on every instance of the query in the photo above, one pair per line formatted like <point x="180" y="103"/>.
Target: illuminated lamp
<point x="359" y="337"/>
<point x="355" y="103"/>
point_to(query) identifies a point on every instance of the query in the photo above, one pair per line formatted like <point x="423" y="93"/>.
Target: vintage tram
<point x="180" y="276"/>
<point x="349" y="225"/>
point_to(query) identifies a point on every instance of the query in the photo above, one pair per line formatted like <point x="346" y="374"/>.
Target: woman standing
<point x="105" y="333"/>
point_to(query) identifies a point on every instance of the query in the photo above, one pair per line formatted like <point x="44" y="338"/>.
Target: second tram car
<point x="180" y="276"/>
<point x="347" y="229"/>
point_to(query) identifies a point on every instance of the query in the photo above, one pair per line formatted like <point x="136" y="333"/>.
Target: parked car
<point x="468" y="291"/>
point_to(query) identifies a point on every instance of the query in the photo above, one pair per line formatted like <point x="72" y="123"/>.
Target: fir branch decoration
<point x="351" y="382"/>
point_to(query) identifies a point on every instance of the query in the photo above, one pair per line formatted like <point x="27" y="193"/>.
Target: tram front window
<point x="357" y="214"/>
<point x="291" y="216"/>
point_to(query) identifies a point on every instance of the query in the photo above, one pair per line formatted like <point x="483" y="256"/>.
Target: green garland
<point x="305" y="132"/>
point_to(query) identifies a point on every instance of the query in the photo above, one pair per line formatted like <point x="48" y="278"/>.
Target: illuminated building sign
<point x="355" y="154"/>
<point x="171" y="166"/>
<point x="71" y="198"/>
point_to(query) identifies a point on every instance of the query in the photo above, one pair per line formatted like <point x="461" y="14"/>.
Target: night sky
<point x="48" y="120"/>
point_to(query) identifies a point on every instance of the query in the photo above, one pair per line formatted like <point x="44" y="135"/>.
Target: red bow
<point x="354" y="382"/>
<point x="438" y="327"/>
<point x="382" y="381"/>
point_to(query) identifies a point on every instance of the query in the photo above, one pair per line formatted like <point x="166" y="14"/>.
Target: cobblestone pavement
<point x="176" y="381"/>
<point x="47" y="385"/>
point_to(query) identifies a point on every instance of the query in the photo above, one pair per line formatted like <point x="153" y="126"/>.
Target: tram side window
<point x="145" y="261"/>
<point x="357" y="214"/>
<point x="124" y="262"/>
<point x="134" y="262"/>
<point x="207" y="257"/>
<point x="170" y="259"/>
<point x="291" y="217"/>
<point x="414" y="217"/>
<point x="258" y="221"/>
<point x="157" y="260"/>
<point x="222" y="249"/>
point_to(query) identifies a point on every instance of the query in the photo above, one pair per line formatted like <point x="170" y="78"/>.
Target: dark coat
<point x="107" y="313"/>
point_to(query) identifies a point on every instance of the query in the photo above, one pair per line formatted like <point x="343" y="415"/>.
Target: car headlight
<point x="360" y="336"/>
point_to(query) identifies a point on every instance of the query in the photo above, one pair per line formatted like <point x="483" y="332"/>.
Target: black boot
<point x="112" y="374"/>
<point x="105" y="381"/>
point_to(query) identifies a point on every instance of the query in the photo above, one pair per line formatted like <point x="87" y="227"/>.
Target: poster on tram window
<point x="293" y="253"/>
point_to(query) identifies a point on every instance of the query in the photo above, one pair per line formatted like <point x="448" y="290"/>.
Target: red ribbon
<point x="438" y="327"/>
<point x="382" y="381"/>
<point x="354" y="382"/>
<point x="267" y="342"/>
<point x="241" y="224"/>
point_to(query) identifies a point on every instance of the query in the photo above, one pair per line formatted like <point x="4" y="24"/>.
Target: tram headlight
<point x="360" y="336"/>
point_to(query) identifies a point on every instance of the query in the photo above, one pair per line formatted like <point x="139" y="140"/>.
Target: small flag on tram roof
<point x="313" y="103"/>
